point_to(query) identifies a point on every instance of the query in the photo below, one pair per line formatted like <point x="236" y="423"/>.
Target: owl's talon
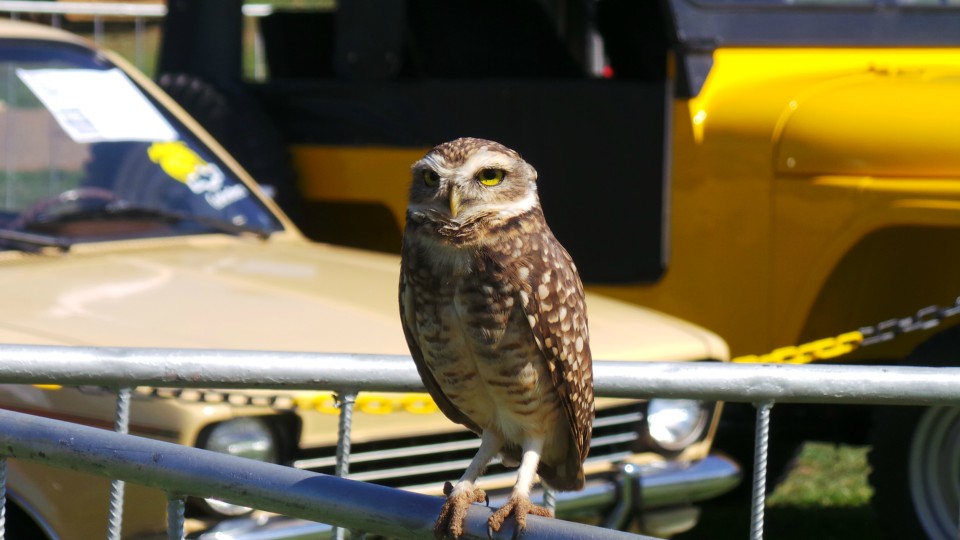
<point x="519" y="507"/>
<point x="454" y="510"/>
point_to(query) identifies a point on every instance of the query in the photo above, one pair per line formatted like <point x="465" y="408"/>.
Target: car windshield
<point x="86" y="155"/>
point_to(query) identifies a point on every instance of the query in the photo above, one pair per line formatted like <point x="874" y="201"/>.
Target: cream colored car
<point x="123" y="224"/>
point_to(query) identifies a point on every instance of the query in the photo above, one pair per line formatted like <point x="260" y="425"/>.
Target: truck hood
<point x="283" y="294"/>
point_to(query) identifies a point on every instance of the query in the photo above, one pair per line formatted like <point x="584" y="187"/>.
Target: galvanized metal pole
<point x="342" y="468"/>
<point x="3" y="497"/>
<point x="176" y="517"/>
<point x="761" y="448"/>
<point x="274" y="488"/>
<point x="121" y="425"/>
<point x="139" y="49"/>
<point x="714" y="381"/>
<point x="550" y="499"/>
<point x="98" y="29"/>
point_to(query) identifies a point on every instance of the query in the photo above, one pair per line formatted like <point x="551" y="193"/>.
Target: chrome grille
<point x="432" y="459"/>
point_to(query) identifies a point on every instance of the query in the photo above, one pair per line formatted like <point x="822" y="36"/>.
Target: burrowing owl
<point x="494" y="316"/>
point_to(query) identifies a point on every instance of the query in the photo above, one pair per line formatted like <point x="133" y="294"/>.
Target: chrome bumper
<point x="632" y="490"/>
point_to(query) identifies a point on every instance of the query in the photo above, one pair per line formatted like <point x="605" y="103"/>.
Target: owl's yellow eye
<point x="430" y="178"/>
<point x="490" y="177"/>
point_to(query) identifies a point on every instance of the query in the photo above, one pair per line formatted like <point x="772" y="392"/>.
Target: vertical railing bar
<point x="259" y="69"/>
<point x="550" y="499"/>
<point x="56" y="20"/>
<point x="347" y="401"/>
<point x="761" y="448"/>
<point x="176" y="517"/>
<point x="98" y="29"/>
<point x="117" y="487"/>
<point x="138" y="47"/>
<point x="3" y="497"/>
<point x="15" y="16"/>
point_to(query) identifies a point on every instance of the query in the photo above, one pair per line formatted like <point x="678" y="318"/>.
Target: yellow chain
<point x="372" y="403"/>
<point x="821" y="349"/>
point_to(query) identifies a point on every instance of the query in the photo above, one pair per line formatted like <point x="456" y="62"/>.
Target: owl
<point x="493" y="312"/>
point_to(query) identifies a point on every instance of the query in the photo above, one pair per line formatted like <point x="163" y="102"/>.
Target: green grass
<point x="826" y="496"/>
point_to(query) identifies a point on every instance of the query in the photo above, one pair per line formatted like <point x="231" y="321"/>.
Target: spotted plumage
<point x="494" y="315"/>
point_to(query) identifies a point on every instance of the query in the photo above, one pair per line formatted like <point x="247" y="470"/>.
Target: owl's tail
<point x="567" y="477"/>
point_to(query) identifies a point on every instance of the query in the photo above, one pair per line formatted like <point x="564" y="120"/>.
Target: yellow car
<point x="123" y="223"/>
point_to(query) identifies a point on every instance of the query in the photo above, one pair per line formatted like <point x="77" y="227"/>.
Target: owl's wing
<point x="553" y="301"/>
<point x="408" y="310"/>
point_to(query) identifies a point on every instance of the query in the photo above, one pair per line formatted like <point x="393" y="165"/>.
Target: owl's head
<point x="468" y="180"/>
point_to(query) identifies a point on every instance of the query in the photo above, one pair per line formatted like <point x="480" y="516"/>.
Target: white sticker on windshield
<point x="97" y="106"/>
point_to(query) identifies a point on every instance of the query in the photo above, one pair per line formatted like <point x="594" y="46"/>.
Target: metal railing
<point x="135" y="14"/>
<point x="188" y="471"/>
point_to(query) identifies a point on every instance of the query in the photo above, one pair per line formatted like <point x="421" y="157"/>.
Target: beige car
<point x="122" y="223"/>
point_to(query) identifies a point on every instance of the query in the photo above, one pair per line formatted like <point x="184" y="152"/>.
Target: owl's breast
<point x="477" y="343"/>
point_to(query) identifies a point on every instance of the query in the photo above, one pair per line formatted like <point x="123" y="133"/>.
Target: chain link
<point x="231" y="397"/>
<point x="324" y="402"/>
<point x="832" y="347"/>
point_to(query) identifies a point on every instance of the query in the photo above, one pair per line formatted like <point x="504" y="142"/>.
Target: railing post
<point x="550" y="499"/>
<point x="121" y="425"/>
<point x="98" y="29"/>
<point x="761" y="442"/>
<point x="139" y="27"/>
<point x="3" y="497"/>
<point x="176" y="512"/>
<point x="342" y="468"/>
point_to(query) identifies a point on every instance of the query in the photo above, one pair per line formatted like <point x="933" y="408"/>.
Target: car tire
<point x="915" y="457"/>
<point x="915" y="462"/>
<point x="19" y="524"/>
<point x="236" y="121"/>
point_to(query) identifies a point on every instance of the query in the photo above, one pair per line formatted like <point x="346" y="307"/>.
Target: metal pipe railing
<point x="346" y="373"/>
<point x="317" y="497"/>
<point x="112" y="9"/>
<point x="100" y="13"/>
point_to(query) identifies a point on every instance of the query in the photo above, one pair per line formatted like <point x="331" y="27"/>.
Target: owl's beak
<point x="454" y="202"/>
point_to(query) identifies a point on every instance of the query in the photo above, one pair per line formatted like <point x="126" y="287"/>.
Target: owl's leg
<point x="465" y="493"/>
<point x="519" y="504"/>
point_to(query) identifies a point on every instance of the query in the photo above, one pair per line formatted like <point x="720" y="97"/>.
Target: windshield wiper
<point x="120" y="209"/>
<point x="35" y="240"/>
<point x="128" y="210"/>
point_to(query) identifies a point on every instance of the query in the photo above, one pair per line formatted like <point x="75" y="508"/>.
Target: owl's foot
<point x="518" y="506"/>
<point x="454" y="511"/>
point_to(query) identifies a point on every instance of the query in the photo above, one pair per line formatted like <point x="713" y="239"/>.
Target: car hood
<point x="282" y="294"/>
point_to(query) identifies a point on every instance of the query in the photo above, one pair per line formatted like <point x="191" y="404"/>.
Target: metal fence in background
<point x="184" y="471"/>
<point x="128" y="17"/>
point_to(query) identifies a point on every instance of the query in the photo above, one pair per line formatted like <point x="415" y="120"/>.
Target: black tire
<point x="236" y="121"/>
<point x="20" y="526"/>
<point x="915" y="458"/>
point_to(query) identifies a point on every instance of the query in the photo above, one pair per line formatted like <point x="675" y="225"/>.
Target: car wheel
<point x="915" y="458"/>
<point x="915" y="473"/>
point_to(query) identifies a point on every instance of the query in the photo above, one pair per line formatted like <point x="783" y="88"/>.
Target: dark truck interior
<point x="414" y="73"/>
